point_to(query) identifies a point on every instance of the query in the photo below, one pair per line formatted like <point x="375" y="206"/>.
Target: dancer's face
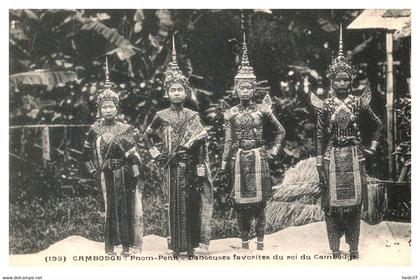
<point x="341" y="83"/>
<point x="108" y="110"/>
<point x="176" y="93"/>
<point x="245" y="91"/>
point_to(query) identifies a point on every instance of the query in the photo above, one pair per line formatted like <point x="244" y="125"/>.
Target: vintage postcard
<point x="216" y="137"/>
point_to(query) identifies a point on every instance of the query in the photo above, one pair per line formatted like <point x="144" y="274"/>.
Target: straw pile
<point x="297" y="200"/>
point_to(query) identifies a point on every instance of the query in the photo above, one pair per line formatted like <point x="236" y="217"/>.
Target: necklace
<point x="108" y="130"/>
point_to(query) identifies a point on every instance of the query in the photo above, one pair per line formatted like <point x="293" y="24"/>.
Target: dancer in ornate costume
<point x="184" y="161"/>
<point x="340" y="154"/>
<point x="246" y="155"/>
<point x="110" y="155"/>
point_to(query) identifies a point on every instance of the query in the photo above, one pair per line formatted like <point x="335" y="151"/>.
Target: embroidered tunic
<point x="244" y="151"/>
<point x="111" y="151"/>
<point x="339" y="148"/>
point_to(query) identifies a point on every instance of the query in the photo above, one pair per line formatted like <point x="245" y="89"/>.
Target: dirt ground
<point x="383" y="244"/>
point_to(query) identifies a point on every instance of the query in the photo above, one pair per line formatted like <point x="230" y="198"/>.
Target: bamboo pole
<point x="390" y="103"/>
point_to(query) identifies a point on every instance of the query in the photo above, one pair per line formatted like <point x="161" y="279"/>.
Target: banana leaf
<point x="48" y="78"/>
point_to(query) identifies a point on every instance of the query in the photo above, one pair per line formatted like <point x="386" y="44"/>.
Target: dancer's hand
<point x="140" y="186"/>
<point x="94" y="174"/>
<point x="162" y="158"/>
<point x="272" y="153"/>
<point x="368" y="152"/>
<point x="154" y="152"/>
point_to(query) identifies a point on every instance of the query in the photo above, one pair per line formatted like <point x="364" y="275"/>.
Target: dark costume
<point x="341" y="156"/>
<point x="248" y="160"/>
<point x="339" y="145"/>
<point x="247" y="157"/>
<point x="190" y="196"/>
<point x="111" y="150"/>
<point x="110" y="155"/>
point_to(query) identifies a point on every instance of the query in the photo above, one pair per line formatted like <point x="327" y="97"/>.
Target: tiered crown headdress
<point x="173" y="74"/>
<point x="340" y="63"/>
<point x="245" y="70"/>
<point x="108" y="94"/>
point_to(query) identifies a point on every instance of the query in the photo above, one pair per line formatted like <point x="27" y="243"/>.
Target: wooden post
<point x="390" y="103"/>
<point x="397" y="137"/>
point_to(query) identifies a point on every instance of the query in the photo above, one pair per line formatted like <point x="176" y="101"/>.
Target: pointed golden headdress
<point x="108" y="94"/>
<point x="173" y="74"/>
<point x="340" y="63"/>
<point x="245" y="70"/>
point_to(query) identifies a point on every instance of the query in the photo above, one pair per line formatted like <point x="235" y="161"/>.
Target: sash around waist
<point x="344" y="142"/>
<point x="247" y="145"/>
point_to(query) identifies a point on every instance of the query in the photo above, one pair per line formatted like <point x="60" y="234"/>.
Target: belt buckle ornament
<point x="201" y="170"/>
<point x="116" y="164"/>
